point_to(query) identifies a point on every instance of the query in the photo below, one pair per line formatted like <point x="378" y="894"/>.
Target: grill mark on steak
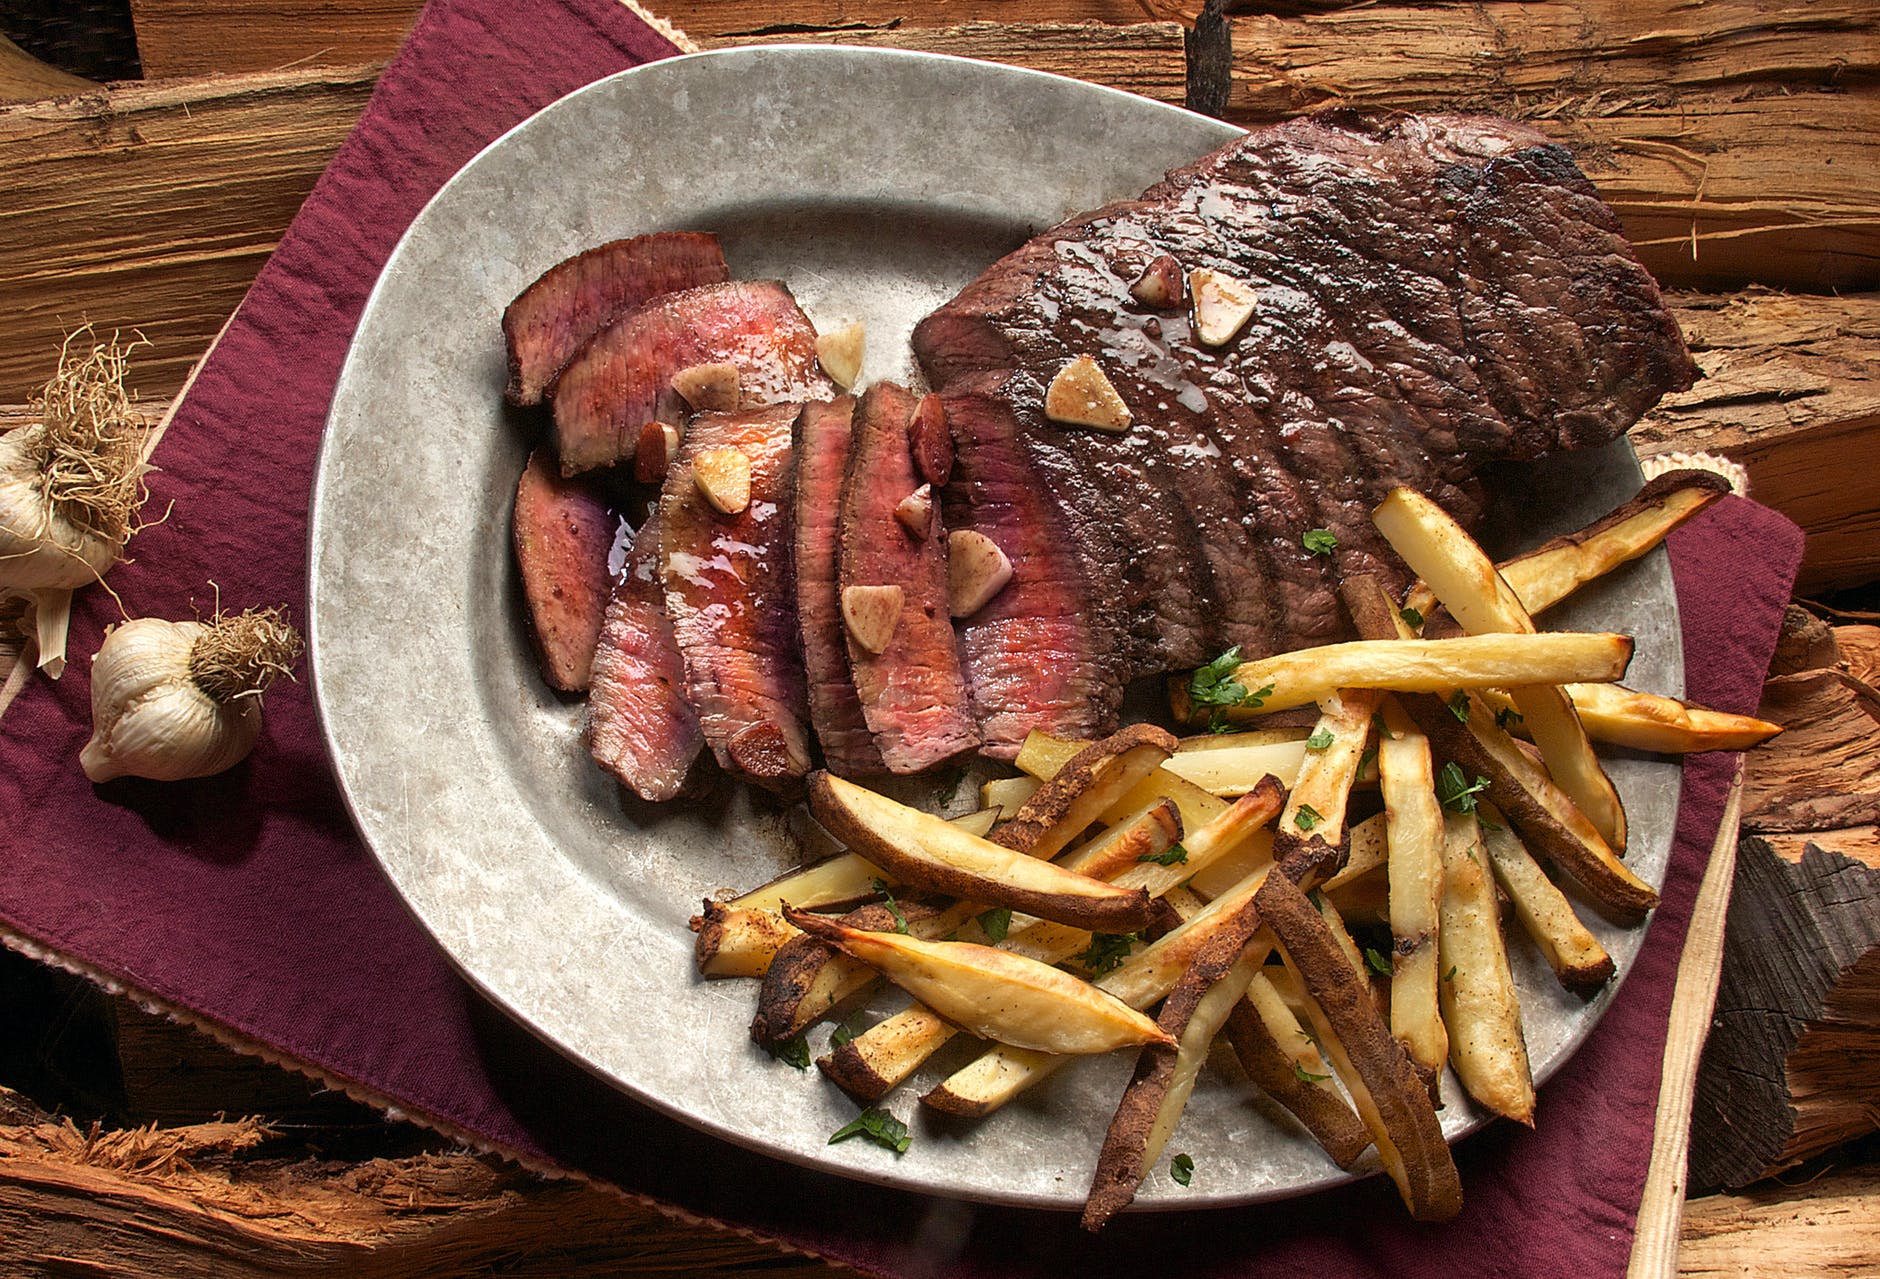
<point x="622" y="379"/>
<point x="572" y="301"/>
<point x="1436" y="293"/>
<point x="824" y="434"/>
<point x="1035" y="656"/>
<point x="640" y="727"/>
<point x="913" y="695"/>
<point x="731" y="595"/>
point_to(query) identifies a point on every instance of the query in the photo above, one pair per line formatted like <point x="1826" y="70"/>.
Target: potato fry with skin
<point x="1575" y="955"/>
<point x="1367" y="849"/>
<point x="1006" y="795"/>
<point x="921" y="850"/>
<point x="736" y="942"/>
<point x="993" y="993"/>
<point x="1415" y="837"/>
<point x="839" y="880"/>
<point x="1083" y="788"/>
<point x="1316" y="806"/>
<point x="1480" y="1006"/>
<point x="1148" y="834"/>
<point x="1165" y="1075"/>
<point x="1439" y="551"/>
<point x="1283" y="1062"/>
<point x="1042" y="755"/>
<point x="1621" y="716"/>
<point x="1232" y="772"/>
<point x="1389" y="1095"/>
<point x="1469" y="661"/>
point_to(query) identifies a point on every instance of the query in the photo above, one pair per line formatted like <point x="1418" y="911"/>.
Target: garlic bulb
<point x="171" y="700"/>
<point x="70" y="486"/>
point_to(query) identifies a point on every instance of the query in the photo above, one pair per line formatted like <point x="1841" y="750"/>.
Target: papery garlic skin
<point x="151" y="719"/>
<point x="43" y="556"/>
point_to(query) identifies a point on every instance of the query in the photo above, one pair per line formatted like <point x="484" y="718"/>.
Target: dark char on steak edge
<point x="1435" y="293"/>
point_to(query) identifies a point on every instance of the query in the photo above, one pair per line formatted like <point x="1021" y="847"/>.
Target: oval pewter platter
<point x="876" y="184"/>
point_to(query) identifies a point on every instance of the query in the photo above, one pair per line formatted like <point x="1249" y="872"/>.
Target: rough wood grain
<point x="1825" y="1228"/>
<point x="1736" y="138"/>
<point x="1791" y="389"/>
<point x="1823" y="771"/>
<point x="205" y="37"/>
<point x="149" y="208"/>
<point x="24" y="78"/>
<point x="1144" y="58"/>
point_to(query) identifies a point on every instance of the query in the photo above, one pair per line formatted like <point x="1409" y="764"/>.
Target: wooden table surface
<point x="1739" y="140"/>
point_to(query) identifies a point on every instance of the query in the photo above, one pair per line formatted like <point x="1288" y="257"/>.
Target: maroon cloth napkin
<point x="247" y="904"/>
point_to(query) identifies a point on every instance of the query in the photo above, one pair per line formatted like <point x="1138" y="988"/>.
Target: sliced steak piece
<point x="912" y="692"/>
<point x="1434" y="293"/>
<point x="554" y="317"/>
<point x="1036" y="656"/>
<point x="731" y="595"/>
<point x="640" y="727"/>
<point x="563" y="536"/>
<point x="622" y="379"/>
<point x="823" y="436"/>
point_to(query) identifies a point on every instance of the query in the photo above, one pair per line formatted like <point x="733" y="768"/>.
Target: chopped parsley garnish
<point x="995" y="923"/>
<point x="1173" y="855"/>
<point x="844" y="1034"/>
<point x="792" y="1052"/>
<point x="894" y="907"/>
<point x="1507" y="717"/>
<point x="1108" y="951"/>
<point x="1459" y="705"/>
<point x="1307" y="817"/>
<point x="952" y="786"/>
<point x="1214" y="687"/>
<point x="1378" y="963"/>
<point x="1182" y="1168"/>
<point x="1320" y="739"/>
<point x="1317" y="899"/>
<point x="1454" y="791"/>
<point x="1451" y="974"/>
<point x="1383" y="733"/>
<point x="1320" y="541"/>
<point x="1411" y="617"/>
<point x="1367" y="759"/>
<point x="879" y="1127"/>
<point x="1306" y="1076"/>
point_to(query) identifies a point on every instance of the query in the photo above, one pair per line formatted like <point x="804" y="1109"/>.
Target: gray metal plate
<point x="877" y="184"/>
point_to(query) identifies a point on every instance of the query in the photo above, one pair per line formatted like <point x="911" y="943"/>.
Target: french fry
<point x="1042" y="755"/>
<point x="1084" y="787"/>
<point x="1521" y="789"/>
<point x="1002" y="1073"/>
<point x="1147" y="835"/>
<point x="734" y="941"/>
<point x="1544" y="576"/>
<point x="1316" y="806"/>
<point x="1230" y="771"/>
<point x="1469" y="661"/>
<point x="1388" y="1094"/>
<point x="839" y="880"/>
<point x="1549" y="573"/>
<point x="1439" y="551"/>
<point x="807" y="978"/>
<point x="1283" y="1062"/>
<point x="1415" y="837"/>
<point x="1575" y="955"/>
<point x="1622" y="716"/>
<point x="1165" y="1075"/>
<point x="993" y="993"/>
<point x="1480" y="1006"/>
<point x="1367" y="850"/>
<point x="1006" y="795"/>
<point x="921" y="850"/>
<point x="871" y="1065"/>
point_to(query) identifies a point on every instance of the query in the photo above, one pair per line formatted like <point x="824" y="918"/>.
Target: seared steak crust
<point x="1434" y="293"/>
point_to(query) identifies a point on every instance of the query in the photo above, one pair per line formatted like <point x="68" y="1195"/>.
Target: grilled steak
<point x="732" y="599"/>
<point x="640" y="727"/>
<point x="563" y="536"/>
<point x="913" y="694"/>
<point x="1433" y="293"/>
<point x="622" y="379"/>
<point x="823" y="436"/>
<point x="554" y="317"/>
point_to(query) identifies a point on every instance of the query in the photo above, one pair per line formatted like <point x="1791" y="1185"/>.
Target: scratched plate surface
<point x="876" y="184"/>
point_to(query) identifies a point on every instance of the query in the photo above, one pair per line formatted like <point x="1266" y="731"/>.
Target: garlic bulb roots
<point x="171" y="700"/>
<point x="70" y="487"/>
